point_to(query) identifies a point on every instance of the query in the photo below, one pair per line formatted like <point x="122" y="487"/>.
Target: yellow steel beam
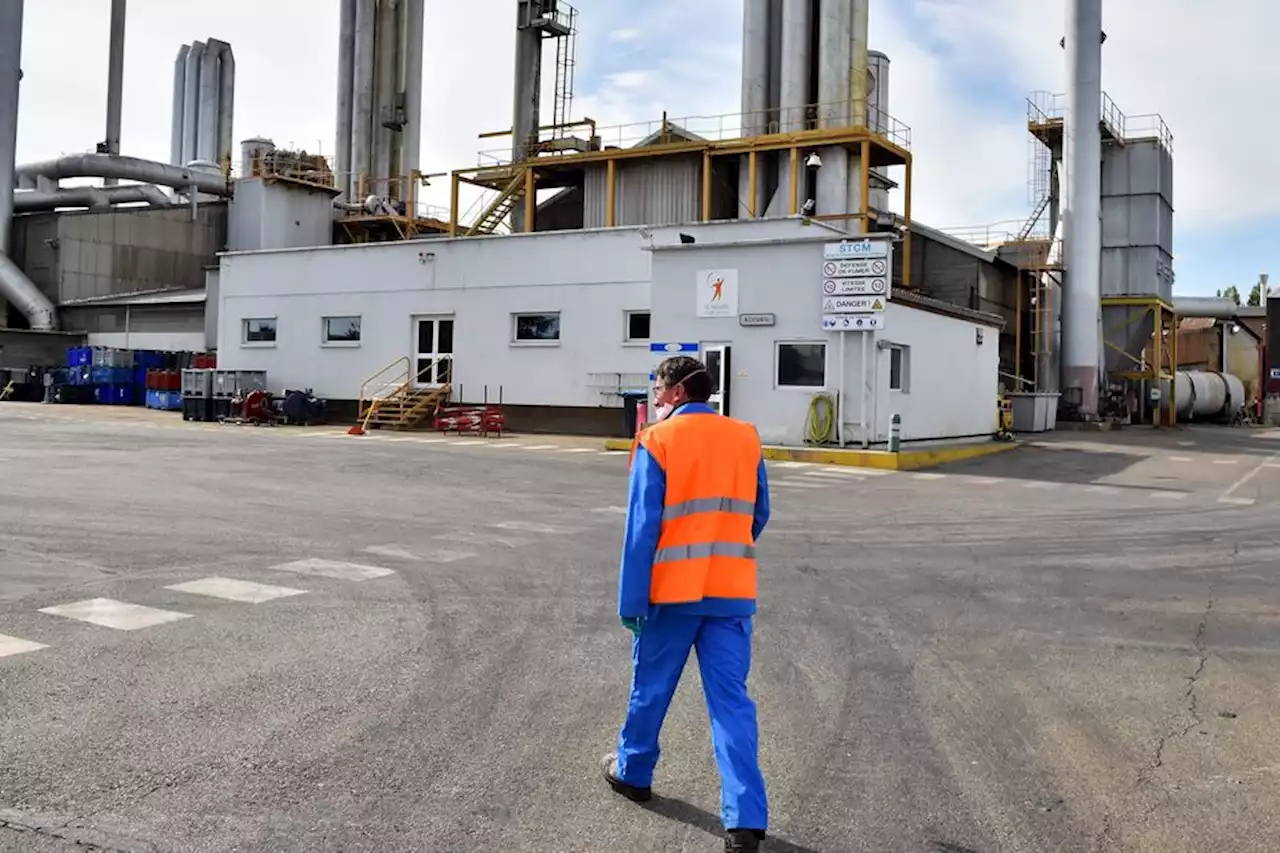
<point x="610" y="184"/>
<point x="530" y="200"/>
<point x="1137" y="302"/>
<point x="864" y="187"/>
<point x="583" y="122"/>
<point x="706" y="186"/>
<point x="906" y="216"/>
<point x="751" y="185"/>
<point x="793" y="206"/>
<point x="456" y="184"/>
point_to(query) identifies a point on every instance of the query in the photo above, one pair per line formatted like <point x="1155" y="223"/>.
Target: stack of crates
<point x="164" y="389"/>
<point x="197" y="395"/>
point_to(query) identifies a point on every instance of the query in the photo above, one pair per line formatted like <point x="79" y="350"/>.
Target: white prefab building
<point x="560" y="324"/>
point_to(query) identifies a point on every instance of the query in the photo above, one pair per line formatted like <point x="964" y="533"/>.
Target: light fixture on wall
<point x="813" y="161"/>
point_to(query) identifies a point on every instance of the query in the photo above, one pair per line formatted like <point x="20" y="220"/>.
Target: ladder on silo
<point x="566" y="61"/>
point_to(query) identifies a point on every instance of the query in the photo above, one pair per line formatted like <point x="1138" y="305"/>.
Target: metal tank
<point x="1208" y="395"/>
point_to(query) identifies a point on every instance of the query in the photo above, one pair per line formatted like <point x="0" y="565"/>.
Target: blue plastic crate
<point x="111" y="375"/>
<point x="113" y="395"/>
<point x="79" y="356"/>
<point x="148" y="359"/>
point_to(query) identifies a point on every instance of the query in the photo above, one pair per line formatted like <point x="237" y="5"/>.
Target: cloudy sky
<point x="960" y="74"/>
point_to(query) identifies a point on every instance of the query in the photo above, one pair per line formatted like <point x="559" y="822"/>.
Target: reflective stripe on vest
<point x="704" y="549"/>
<point x="708" y="505"/>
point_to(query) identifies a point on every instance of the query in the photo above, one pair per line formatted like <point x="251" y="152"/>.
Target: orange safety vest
<point x="705" y="548"/>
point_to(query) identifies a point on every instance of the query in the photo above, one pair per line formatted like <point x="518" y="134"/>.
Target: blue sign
<point x="672" y="348"/>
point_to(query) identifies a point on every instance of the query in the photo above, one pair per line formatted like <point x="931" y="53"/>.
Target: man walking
<point x="698" y="500"/>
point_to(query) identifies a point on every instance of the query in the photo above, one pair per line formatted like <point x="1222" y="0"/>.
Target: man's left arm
<point x="646" y="494"/>
<point x="762" y="502"/>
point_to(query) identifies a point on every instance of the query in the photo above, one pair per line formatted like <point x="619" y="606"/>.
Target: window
<point x="637" y="326"/>
<point x="899" y="365"/>
<point x="258" y="330"/>
<point x="540" y="328"/>
<point x="802" y="365"/>
<point x="342" y="330"/>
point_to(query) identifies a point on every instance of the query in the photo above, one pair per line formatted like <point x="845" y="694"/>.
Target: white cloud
<point x="1202" y="71"/>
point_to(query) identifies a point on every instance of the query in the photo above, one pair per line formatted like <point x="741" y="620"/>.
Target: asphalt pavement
<point x="239" y="639"/>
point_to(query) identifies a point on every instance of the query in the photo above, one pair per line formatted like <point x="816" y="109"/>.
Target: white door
<point x="433" y="359"/>
<point x="716" y="358"/>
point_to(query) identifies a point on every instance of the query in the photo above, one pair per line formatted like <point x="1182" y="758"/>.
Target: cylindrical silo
<point x="115" y="81"/>
<point x="384" y="94"/>
<point x="346" y="72"/>
<point x="878" y="116"/>
<point x="363" y="85"/>
<point x="210" y="91"/>
<point x="226" y="103"/>
<point x="796" y="38"/>
<point x="415" y="21"/>
<point x="755" y="99"/>
<point x="251" y="150"/>
<point x="835" y="43"/>
<point x="1082" y="156"/>
<point x="191" y="104"/>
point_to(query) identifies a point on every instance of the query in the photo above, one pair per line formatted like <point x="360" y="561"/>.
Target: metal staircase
<point x="401" y="401"/>
<point x="500" y="208"/>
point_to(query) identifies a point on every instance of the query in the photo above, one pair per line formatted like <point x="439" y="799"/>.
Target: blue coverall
<point x="720" y="630"/>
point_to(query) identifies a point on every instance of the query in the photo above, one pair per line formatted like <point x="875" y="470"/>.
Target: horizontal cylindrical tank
<point x="1207" y="395"/>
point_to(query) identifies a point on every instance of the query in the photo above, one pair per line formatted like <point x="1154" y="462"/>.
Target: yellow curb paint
<point x="906" y="460"/>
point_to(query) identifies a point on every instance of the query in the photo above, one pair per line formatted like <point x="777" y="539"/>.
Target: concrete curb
<point x="906" y="460"/>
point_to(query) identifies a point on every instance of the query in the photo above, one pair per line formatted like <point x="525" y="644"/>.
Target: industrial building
<point x="583" y="251"/>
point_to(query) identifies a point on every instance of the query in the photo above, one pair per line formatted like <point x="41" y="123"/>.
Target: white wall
<point x="159" y="341"/>
<point x="591" y="277"/>
<point x="952" y="381"/>
<point x="278" y="215"/>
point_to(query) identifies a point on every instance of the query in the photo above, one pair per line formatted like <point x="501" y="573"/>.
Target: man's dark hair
<point x="689" y="372"/>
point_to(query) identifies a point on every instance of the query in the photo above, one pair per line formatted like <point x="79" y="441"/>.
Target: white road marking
<point x="1168" y="496"/>
<point x="390" y="551"/>
<point x="833" y="475"/>
<point x="467" y="443"/>
<point x="1249" y="475"/>
<point x="1103" y="490"/>
<point x="579" y="450"/>
<point x="236" y="590"/>
<point x="431" y="440"/>
<point x="618" y="510"/>
<point x="529" y="527"/>
<point x="539" y="447"/>
<point x="861" y="472"/>
<point x="1040" y="484"/>
<point x="16" y="646"/>
<point x="115" y="614"/>
<point x="1226" y="462"/>
<point x="332" y="569"/>
<point x="799" y="484"/>
<point x="984" y="481"/>
<point x="1237" y="501"/>
<point x="1180" y="459"/>
<point x="1271" y="464"/>
<point x="789" y="464"/>
<point x="928" y="476"/>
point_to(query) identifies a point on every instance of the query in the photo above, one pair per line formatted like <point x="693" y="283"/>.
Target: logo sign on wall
<point x="717" y="293"/>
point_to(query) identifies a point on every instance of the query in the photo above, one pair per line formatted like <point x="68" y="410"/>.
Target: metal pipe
<point x="115" y="79"/>
<point x="1082" y="297"/>
<point x="346" y="76"/>
<point x="384" y="95"/>
<point x="226" y="104"/>
<point x="179" y="99"/>
<point x="28" y="201"/>
<point x="755" y="97"/>
<point x="362" y="108"/>
<point x="793" y="91"/>
<point x="14" y="284"/>
<point x="859" y="13"/>
<point x="191" y="104"/>
<point x="526" y="117"/>
<point x="207" y="134"/>
<point x="415" y="22"/>
<point x="1205" y="306"/>
<point x="129" y="168"/>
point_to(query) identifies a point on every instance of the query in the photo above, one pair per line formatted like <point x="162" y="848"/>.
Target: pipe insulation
<point x="835" y="47"/>
<point x="210" y="89"/>
<point x="15" y="287"/>
<point x="1082" y="156"/>
<point x="755" y="99"/>
<point x="363" y="92"/>
<point x="226" y="104"/>
<point x="346" y="76"/>
<point x="1205" y="306"/>
<point x="191" y="105"/>
<point x="115" y="79"/>
<point x="70" y="197"/>
<point x="129" y="168"/>
<point x="1208" y="395"/>
<point x="179" y="99"/>
<point x="415" y="23"/>
<point x="797" y="31"/>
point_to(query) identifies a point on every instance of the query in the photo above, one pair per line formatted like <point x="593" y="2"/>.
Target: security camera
<point x="813" y="161"/>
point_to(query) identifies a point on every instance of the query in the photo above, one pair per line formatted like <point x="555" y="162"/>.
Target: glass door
<point x="433" y="361"/>
<point x="716" y="358"/>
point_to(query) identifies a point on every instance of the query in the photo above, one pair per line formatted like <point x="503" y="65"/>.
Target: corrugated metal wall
<point x="661" y="191"/>
<point x="1137" y="219"/>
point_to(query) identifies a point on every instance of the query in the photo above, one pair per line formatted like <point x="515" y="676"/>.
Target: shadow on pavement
<point x="683" y="812"/>
<point x="1051" y="464"/>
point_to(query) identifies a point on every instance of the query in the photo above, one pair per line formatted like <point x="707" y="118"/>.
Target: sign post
<point x="857" y="278"/>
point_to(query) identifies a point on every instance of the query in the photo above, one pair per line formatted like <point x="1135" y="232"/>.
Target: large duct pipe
<point x="115" y="79"/>
<point x="384" y="95"/>
<point x="179" y="98"/>
<point x="129" y="168"/>
<point x="191" y="104"/>
<point x="210" y="87"/>
<point x="346" y="75"/>
<point x="1082" y="155"/>
<point x="835" y="37"/>
<point x="859" y="114"/>
<point x="14" y="284"/>
<point x="1208" y="395"/>
<point x="226" y="104"/>
<point x="526" y="116"/>
<point x="755" y="99"/>
<point x="362" y="112"/>
<point x="71" y="197"/>
<point x="415" y="22"/>
<point x="797" y="29"/>
<point x="1205" y="306"/>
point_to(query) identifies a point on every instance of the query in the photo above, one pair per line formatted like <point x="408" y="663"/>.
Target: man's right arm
<point x="645" y="499"/>
<point x="762" y="501"/>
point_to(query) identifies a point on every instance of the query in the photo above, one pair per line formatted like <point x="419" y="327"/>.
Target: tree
<point x="1255" y="295"/>
<point x="1232" y="293"/>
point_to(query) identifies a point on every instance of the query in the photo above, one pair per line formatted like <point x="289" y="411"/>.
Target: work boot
<point x="743" y="840"/>
<point x="632" y="792"/>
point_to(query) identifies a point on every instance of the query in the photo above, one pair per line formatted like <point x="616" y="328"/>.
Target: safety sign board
<point x="856" y="287"/>
<point x="852" y="322"/>
<point x="853" y="305"/>
<point x="859" y="248"/>
<point x="855" y="267"/>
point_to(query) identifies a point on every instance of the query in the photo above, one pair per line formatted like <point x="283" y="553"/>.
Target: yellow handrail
<point x="397" y="382"/>
<point x="404" y="381"/>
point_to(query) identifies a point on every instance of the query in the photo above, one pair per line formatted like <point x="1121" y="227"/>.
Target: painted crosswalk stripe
<point x="1180" y="459"/>
<point x="528" y="527"/>
<point x="1169" y="496"/>
<point x="333" y="569"/>
<point x="1236" y="501"/>
<point x="1040" y="484"/>
<point x="431" y="440"/>
<point x="800" y="484"/>
<point x="929" y="476"/>
<point x="110" y="613"/>
<point x="791" y="465"/>
<point x="16" y="646"/>
<point x="467" y="443"/>
<point x="833" y="475"/>
<point x="984" y="481"/>
<point x="579" y="450"/>
<point x="232" y="589"/>
<point x="539" y="447"/>
<point x="861" y="472"/>
<point x="617" y="510"/>
<point x="1226" y="462"/>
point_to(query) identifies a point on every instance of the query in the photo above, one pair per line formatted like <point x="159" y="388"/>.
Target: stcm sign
<point x="864" y="248"/>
